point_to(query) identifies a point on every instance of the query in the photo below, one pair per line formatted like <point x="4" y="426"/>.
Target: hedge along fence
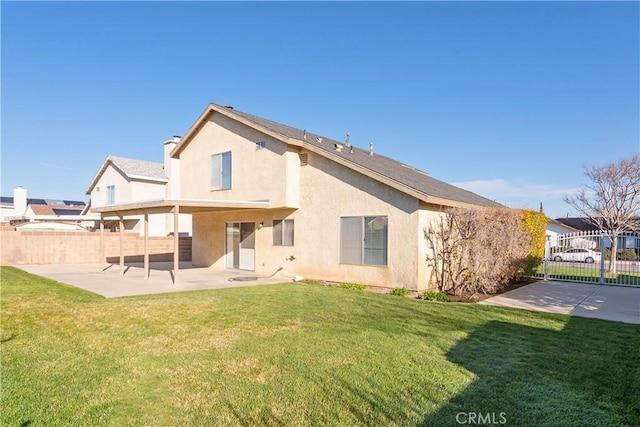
<point x="535" y="223"/>
<point x="53" y="247"/>
<point x="483" y="249"/>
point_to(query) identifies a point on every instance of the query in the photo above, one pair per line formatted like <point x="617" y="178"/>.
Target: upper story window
<point x="111" y="195"/>
<point x="363" y="240"/>
<point x="282" y="232"/>
<point x="221" y="171"/>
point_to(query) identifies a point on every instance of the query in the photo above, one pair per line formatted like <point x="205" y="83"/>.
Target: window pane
<point x="111" y="195"/>
<point x="216" y="164"/>
<point x="351" y="240"/>
<point x="288" y="232"/>
<point x="226" y="170"/>
<point x="277" y="232"/>
<point x="375" y="240"/>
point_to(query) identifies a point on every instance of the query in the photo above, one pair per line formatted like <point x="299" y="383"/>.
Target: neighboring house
<point x="630" y="240"/>
<point x="20" y="209"/>
<point x="122" y="180"/>
<point x="266" y="197"/>
<point x="556" y="228"/>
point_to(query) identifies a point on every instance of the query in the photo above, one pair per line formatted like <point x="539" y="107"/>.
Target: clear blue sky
<point x="510" y="100"/>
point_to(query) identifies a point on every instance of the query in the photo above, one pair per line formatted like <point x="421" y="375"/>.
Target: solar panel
<point x="66" y="211"/>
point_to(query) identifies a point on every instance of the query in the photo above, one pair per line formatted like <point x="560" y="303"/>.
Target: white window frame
<point x="111" y="194"/>
<point x="353" y="251"/>
<point x="280" y="235"/>
<point x="221" y="179"/>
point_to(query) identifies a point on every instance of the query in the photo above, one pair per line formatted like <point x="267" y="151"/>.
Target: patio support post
<point x="176" y="243"/>
<point x="101" y="248"/>
<point x="146" y="245"/>
<point x="121" y="229"/>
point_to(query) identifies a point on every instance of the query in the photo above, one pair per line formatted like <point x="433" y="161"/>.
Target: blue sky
<point x="508" y="99"/>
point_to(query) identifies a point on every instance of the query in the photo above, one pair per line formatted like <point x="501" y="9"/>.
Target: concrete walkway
<point x="576" y="299"/>
<point x="110" y="283"/>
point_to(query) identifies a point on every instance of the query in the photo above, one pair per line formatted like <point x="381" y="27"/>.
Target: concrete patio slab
<point x="110" y="283"/>
<point x="607" y="302"/>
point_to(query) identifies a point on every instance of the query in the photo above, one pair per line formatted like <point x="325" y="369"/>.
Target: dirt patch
<point x="468" y="297"/>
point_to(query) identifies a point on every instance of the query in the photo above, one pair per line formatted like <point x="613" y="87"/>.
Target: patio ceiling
<point x="182" y="205"/>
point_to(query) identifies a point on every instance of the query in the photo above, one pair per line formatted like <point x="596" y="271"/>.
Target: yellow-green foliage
<point x="535" y="223"/>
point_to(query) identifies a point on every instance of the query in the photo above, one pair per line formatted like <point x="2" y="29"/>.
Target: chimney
<point x="347" y="143"/>
<point x="371" y="148"/>
<point x="172" y="169"/>
<point x="19" y="201"/>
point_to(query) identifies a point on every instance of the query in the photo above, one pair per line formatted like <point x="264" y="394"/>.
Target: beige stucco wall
<point x="316" y="196"/>
<point x="330" y="191"/>
<point x="257" y="174"/>
<point x="429" y="214"/>
<point x="209" y="240"/>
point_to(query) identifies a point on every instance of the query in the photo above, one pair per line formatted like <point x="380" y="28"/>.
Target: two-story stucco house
<point x="264" y="196"/>
<point x="122" y="180"/>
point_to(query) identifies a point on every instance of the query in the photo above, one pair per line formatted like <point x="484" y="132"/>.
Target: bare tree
<point x="611" y="200"/>
<point x="476" y="250"/>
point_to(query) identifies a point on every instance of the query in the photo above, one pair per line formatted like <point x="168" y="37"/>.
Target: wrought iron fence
<point x="586" y="257"/>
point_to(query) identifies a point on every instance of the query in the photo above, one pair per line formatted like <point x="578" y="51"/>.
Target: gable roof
<point x="132" y="169"/>
<point x="396" y="174"/>
<point x="562" y="224"/>
<point x="582" y="224"/>
<point x="56" y="210"/>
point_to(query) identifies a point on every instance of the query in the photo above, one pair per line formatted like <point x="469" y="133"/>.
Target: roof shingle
<point x="139" y="168"/>
<point x="404" y="174"/>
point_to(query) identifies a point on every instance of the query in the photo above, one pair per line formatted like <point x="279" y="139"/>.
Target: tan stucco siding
<point x="429" y="214"/>
<point x="257" y="174"/>
<point x="329" y="191"/>
<point x="209" y="240"/>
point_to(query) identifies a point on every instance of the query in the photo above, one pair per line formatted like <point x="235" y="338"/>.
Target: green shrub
<point x="355" y="286"/>
<point x="535" y="223"/>
<point x="623" y="254"/>
<point x="627" y="255"/>
<point x="434" y="296"/>
<point x="399" y="292"/>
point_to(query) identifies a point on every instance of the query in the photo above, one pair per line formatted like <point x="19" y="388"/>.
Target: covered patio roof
<point x="159" y="206"/>
<point x="184" y="206"/>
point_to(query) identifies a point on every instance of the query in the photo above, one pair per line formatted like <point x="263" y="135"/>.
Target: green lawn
<point x="296" y="354"/>
<point x="589" y="273"/>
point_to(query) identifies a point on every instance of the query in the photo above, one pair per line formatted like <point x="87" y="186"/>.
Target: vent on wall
<point x="304" y="159"/>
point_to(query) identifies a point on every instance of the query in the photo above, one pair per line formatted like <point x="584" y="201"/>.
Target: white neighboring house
<point x="13" y="206"/>
<point x="19" y="210"/>
<point x="122" y="180"/>
<point x="556" y="228"/>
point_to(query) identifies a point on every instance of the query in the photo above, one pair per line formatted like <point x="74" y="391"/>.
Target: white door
<point x="240" y="245"/>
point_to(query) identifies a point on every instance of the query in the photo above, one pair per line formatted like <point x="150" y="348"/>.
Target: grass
<point x="299" y="354"/>
<point x="589" y="273"/>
